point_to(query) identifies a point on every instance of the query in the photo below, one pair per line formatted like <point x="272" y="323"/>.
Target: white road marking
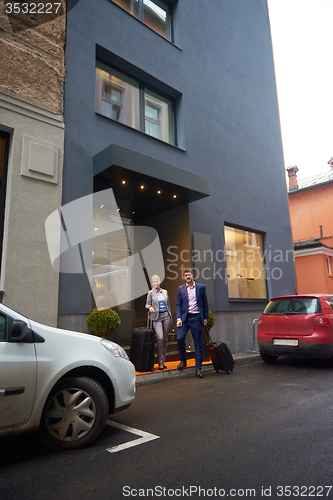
<point x="145" y="437"/>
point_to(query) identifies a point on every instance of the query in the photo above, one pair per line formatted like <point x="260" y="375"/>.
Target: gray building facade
<point x="173" y="105"/>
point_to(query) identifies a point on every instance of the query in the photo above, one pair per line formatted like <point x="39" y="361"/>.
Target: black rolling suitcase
<point x="142" y="350"/>
<point x="219" y="354"/>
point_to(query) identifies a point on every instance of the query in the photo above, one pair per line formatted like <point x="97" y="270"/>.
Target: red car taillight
<point x="322" y="321"/>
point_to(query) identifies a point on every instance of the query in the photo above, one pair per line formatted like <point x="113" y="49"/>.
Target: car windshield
<point x="293" y="306"/>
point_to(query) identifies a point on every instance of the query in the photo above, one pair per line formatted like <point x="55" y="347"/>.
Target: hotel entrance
<point x="152" y="199"/>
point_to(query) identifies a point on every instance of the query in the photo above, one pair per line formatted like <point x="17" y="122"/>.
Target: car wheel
<point x="74" y="414"/>
<point x="268" y="358"/>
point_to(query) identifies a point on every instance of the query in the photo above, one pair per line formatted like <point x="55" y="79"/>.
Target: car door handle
<point x="11" y="391"/>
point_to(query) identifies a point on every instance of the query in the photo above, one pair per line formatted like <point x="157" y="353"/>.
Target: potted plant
<point x="211" y="320"/>
<point x="103" y="322"/>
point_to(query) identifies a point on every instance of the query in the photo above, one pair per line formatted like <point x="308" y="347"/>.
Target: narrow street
<point x="264" y="431"/>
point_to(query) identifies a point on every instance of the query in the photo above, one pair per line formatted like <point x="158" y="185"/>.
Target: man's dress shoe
<point x="182" y="365"/>
<point x="198" y="374"/>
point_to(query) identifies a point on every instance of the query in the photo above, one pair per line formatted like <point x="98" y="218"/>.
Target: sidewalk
<point x="171" y="372"/>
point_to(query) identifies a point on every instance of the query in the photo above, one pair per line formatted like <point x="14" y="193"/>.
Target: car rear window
<point x="293" y="306"/>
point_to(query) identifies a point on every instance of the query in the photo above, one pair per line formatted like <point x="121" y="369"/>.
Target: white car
<point x="63" y="384"/>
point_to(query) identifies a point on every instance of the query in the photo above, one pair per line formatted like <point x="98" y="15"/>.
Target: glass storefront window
<point x="111" y="272"/>
<point x="245" y="264"/>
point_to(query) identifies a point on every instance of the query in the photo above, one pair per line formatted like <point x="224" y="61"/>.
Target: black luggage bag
<point x="142" y="350"/>
<point x="219" y="354"/>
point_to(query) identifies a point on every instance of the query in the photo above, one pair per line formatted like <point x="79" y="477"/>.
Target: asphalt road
<point x="263" y="431"/>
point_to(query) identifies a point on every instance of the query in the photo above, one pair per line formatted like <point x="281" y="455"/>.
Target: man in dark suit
<point x="192" y="312"/>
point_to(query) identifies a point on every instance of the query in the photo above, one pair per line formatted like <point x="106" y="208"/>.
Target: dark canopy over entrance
<point x="144" y="186"/>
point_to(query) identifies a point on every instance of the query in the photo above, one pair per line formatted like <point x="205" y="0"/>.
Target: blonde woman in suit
<point x="158" y="305"/>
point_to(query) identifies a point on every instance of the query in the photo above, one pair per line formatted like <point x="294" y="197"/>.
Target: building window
<point x="117" y="96"/>
<point x="152" y="119"/>
<point x="112" y="98"/>
<point x="128" y="101"/>
<point x="131" y="6"/>
<point x="154" y="13"/>
<point x="158" y="116"/>
<point x="329" y="268"/>
<point x="245" y="264"/>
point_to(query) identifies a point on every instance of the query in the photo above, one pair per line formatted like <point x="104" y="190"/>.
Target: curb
<point x="148" y="378"/>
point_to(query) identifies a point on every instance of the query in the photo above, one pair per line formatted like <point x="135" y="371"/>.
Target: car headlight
<point x="114" y="348"/>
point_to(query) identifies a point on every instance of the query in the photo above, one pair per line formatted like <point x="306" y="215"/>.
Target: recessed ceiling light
<point x="142" y="187"/>
<point x="175" y="196"/>
<point x="158" y="192"/>
<point x="123" y="182"/>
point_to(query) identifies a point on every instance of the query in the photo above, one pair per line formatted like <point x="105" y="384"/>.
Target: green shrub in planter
<point x="103" y="322"/>
<point x="211" y="320"/>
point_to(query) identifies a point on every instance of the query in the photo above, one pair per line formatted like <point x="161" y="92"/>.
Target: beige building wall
<point x="31" y="111"/>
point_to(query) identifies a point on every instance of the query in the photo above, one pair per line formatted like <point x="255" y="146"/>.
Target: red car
<point x="297" y="326"/>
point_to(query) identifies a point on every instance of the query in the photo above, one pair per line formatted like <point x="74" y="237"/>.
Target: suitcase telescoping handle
<point x="207" y="336"/>
<point x="149" y="322"/>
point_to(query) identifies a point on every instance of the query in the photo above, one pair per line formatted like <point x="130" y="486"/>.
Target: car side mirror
<point x="19" y="331"/>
